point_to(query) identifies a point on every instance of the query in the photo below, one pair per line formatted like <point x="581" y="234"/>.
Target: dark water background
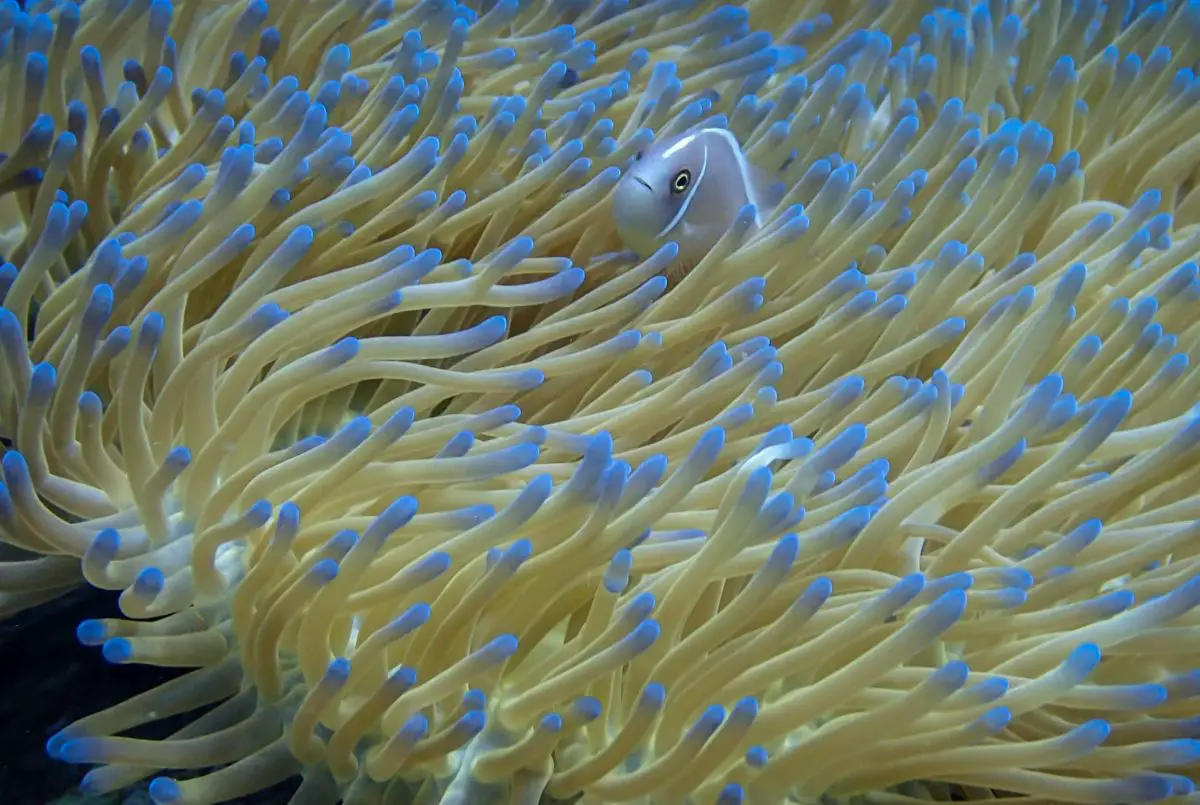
<point x="47" y="680"/>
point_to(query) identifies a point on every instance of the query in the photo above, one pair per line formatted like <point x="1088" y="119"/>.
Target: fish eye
<point x="681" y="181"/>
<point x="637" y="157"/>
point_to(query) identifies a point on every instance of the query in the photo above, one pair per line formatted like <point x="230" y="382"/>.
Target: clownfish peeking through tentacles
<point x="689" y="189"/>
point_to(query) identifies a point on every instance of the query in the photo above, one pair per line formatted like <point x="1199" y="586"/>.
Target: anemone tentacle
<point x="320" y="349"/>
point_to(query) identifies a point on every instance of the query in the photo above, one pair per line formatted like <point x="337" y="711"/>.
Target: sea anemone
<point x="323" y="351"/>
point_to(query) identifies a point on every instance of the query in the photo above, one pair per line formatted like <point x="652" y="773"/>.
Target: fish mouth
<point x="643" y="183"/>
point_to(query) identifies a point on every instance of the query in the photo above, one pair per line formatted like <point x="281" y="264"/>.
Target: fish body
<point x="689" y="189"/>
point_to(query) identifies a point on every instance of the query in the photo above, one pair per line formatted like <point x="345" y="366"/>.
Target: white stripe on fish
<point x="687" y="202"/>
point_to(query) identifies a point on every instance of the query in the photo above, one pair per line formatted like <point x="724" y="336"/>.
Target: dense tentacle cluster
<point x="318" y="346"/>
